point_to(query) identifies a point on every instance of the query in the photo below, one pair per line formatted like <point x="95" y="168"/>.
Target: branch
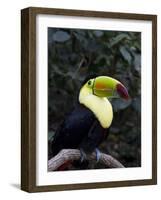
<point x="74" y="154"/>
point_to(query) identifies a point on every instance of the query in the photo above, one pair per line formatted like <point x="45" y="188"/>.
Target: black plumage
<point x="80" y="129"/>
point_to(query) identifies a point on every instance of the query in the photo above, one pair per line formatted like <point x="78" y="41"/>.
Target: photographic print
<point x="89" y="100"/>
<point x="94" y="97"/>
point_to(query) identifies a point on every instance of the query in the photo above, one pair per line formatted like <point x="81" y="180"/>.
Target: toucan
<point x="87" y="125"/>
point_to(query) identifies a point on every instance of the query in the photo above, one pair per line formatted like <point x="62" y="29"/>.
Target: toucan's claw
<point x="98" y="154"/>
<point x="83" y="155"/>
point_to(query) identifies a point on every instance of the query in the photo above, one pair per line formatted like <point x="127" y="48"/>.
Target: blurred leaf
<point x="114" y="130"/>
<point x="137" y="62"/>
<point x="118" y="39"/>
<point x="50" y="134"/>
<point x="98" y="33"/>
<point x="137" y="104"/>
<point x="61" y="36"/>
<point x="126" y="55"/>
<point x="120" y="104"/>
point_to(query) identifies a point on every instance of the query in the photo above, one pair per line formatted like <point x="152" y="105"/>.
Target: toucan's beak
<point x="122" y="91"/>
<point x="105" y="86"/>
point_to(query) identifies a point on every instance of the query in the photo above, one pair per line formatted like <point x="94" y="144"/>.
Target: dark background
<point x="74" y="54"/>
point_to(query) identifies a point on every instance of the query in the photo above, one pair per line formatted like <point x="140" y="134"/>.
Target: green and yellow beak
<point x="104" y="86"/>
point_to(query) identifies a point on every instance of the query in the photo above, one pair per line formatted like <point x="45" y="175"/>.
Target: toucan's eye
<point x="89" y="82"/>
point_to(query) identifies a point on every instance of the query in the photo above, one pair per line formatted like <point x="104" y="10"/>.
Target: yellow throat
<point x="100" y="106"/>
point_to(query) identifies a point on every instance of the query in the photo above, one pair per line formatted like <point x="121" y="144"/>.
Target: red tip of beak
<point x="122" y="91"/>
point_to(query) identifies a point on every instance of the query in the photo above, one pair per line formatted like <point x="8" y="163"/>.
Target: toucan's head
<point x="105" y="86"/>
<point x="94" y="94"/>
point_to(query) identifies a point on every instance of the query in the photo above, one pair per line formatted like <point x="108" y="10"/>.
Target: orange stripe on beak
<point x="100" y="86"/>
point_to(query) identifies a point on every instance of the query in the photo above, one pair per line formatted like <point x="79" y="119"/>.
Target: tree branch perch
<point x="74" y="154"/>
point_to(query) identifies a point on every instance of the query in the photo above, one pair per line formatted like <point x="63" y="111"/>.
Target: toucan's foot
<point x="98" y="154"/>
<point x="83" y="155"/>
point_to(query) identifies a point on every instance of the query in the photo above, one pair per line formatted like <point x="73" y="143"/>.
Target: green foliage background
<point x="74" y="54"/>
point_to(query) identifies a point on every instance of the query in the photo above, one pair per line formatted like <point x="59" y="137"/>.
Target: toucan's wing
<point x="95" y="136"/>
<point x="73" y="130"/>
